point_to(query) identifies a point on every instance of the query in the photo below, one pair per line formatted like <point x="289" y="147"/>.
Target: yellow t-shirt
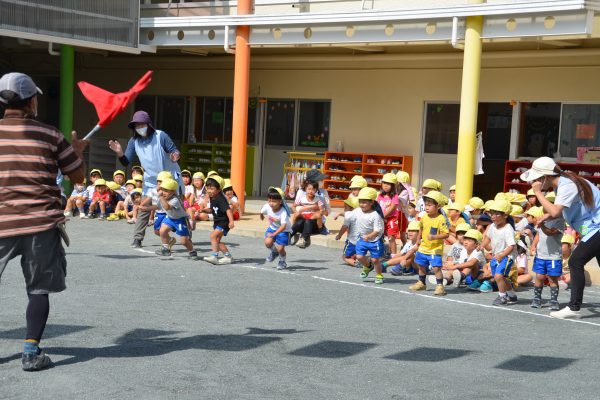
<point x="433" y="226"/>
<point x="459" y="220"/>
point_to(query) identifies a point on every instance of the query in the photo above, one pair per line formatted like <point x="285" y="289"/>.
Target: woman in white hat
<point x="579" y="202"/>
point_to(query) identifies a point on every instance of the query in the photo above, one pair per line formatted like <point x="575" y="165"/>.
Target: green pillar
<point x="67" y="85"/>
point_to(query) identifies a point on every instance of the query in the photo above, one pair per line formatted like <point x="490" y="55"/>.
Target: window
<point x="214" y="120"/>
<point x="168" y="113"/>
<point x="579" y="128"/>
<point x="441" y="128"/>
<point x="540" y="124"/>
<point x="313" y="126"/>
<point x="280" y="122"/>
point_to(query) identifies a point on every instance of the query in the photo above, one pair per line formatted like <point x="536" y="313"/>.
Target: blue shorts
<point x="158" y="219"/>
<point x="376" y="249"/>
<point x="547" y="267"/>
<point x="503" y="267"/>
<point x="428" y="260"/>
<point x="179" y="225"/>
<point x="349" y="249"/>
<point x="281" y="239"/>
<point x="129" y="208"/>
<point x="222" y="229"/>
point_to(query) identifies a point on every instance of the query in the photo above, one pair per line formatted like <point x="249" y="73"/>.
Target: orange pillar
<point x="241" y="87"/>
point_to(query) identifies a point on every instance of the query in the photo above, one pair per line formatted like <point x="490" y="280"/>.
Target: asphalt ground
<point x="133" y="326"/>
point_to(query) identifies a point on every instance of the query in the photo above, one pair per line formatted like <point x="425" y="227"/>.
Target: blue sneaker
<point x="281" y="265"/>
<point x="475" y="285"/>
<point x="486" y="287"/>
<point x="271" y="256"/>
<point x="396" y="270"/>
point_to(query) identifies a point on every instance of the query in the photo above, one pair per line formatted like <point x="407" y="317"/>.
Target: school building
<point x="371" y="76"/>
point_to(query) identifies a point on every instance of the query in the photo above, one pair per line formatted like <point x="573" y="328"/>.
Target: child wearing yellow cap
<point x="388" y="200"/>
<point x="435" y="231"/>
<point x="175" y="219"/>
<point x="102" y="199"/>
<point x="232" y="198"/>
<point x="78" y="198"/>
<point x="199" y="201"/>
<point x="277" y="235"/>
<point x="470" y="262"/>
<point x="119" y="177"/>
<point x="153" y="205"/>
<point x="349" y="226"/>
<point x="370" y="227"/>
<point x="402" y="264"/>
<point x="455" y="218"/>
<point x="453" y="256"/>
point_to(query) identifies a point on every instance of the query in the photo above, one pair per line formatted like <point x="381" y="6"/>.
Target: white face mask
<point x="142" y="131"/>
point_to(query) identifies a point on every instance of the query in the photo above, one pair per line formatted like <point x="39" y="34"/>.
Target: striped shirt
<point x="31" y="154"/>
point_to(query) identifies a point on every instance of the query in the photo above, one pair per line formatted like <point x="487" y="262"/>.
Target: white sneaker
<point x="566" y="313"/>
<point x="225" y="260"/>
<point x="211" y="259"/>
<point x="433" y="281"/>
<point x="84" y="216"/>
<point x="68" y="214"/>
<point x="456" y="278"/>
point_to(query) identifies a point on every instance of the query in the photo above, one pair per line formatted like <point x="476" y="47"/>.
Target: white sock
<point x="502" y="294"/>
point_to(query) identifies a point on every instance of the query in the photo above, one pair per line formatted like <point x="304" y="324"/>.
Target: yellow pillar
<point x="469" y="100"/>
<point x="241" y="87"/>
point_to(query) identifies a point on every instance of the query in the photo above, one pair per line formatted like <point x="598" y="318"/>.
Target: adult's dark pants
<point x="306" y="227"/>
<point x="582" y="254"/>
<point x="140" y="226"/>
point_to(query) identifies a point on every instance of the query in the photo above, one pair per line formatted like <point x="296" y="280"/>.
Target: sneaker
<point x="36" y="362"/>
<point x="271" y="256"/>
<point x="456" y="278"/>
<point x="163" y="251"/>
<point x="379" y="279"/>
<point x="566" y="313"/>
<point x="439" y="290"/>
<point x="365" y="272"/>
<point x="512" y="299"/>
<point x="193" y="255"/>
<point x="136" y="244"/>
<point x="68" y="214"/>
<point x="432" y="280"/>
<point x="113" y="217"/>
<point x="294" y="239"/>
<point x="172" y="242"/>
<point x="301" y="243"/>
<point x="307" y="242"/>
<point x="418" y="286"/>
<point x="281" y="265"/>
<point x="486" y="287"/>
<point x="83" y="216"/>
<point x="131" y="221"/>
<point x="324" y="231"/>
<point x="554" y="306"/>
<point x="475" y="285"/>
<point x="211" y="259"/>
<point x="225" y="260"/>
<point x="500" y="301"/>
<point x="536" y="303"/>
<point x="102" y="217"/>
<point x="357" y="264"/>
<point x="397" y="270"/>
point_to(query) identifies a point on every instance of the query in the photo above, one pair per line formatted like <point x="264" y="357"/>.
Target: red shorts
<point x="196" y="207"/>
<point x="307" y="215"/>
<point x="236" y="216"/>
<point x="391" y="227"/>
<point x="402" y="222"/>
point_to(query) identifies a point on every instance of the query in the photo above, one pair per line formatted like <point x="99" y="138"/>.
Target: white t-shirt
<point x="276" y="219"/>
<point x="522" y="261"/>
<point x="407" y="247"/>
<point x="520" y="226"/>
<point x="350" y="222"/>
<point x="189" y="189"/>
<point x="475" y="254"/>
<point x="455" y="251"/>
<point x="501" y="238"/>
<point x="153" y="193"/>
<point x="367" y="223"/>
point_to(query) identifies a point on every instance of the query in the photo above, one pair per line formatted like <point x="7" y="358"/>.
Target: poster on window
<point x="585" y="131"/>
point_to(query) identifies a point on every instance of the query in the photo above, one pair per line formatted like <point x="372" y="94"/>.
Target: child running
<point x="222" y="220"/>
<point x="548" y="260"/>
<point x="349" y="253"/>
<point x="429" y="254"/>
<point x="500" y="240"/>
<point x="369" y="225"/>
<point x="175" y="219"/>
<point x="277" y="235"/>
<point x="388" y="200"/>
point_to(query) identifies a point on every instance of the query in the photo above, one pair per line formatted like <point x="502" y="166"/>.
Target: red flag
<point x="108" y="105"/>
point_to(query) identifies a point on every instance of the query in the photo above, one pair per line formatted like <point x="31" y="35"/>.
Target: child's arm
<point x="486" y="243"/>
<point x="549" y="231"/>
<point x="343" y="230"/>
<point x="230" y="217"/>
<point x="165" y="203"/>
<point x="370" y="236"/>
<point x="467" y="264"/>
<point x="389" y="210"/>
<point x="534" y="244"/>
<point x="439" y="236"/>
<point x="504" y="253"/>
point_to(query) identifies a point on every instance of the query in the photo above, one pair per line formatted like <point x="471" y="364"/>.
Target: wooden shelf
<point x="511" y="165"/>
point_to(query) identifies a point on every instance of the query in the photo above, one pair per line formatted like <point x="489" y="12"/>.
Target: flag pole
<point x="92" y="132"/>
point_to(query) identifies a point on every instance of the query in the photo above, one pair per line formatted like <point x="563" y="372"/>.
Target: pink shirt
<point x="385" y="201"/>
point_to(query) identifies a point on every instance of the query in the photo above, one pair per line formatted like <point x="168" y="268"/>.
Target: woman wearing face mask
<point x="579" y="202"/>
<point x="156" y="152"/>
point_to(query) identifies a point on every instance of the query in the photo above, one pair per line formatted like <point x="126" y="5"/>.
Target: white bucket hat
<point x="540" y="167"/>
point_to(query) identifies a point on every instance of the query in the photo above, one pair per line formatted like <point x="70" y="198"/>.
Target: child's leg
<point x="92" y="208"/>
<point x="566" y="278"/>
<point x="69" y="205"/>
<point x="215" y="240"/>
<point x="120" y="207"/>
<point x="437" y="271"/>
<point x="363" y="260"/>
<point x="281" y="250"/>
<point x="269" y="243"/>
<point x="79" y="203"/>
<point x="186" y="242"/>
<point x="349" y="260"/>
<point x="163" y="232"/>
<point x="377" y="264"/>
<point x="524" y="277"/>
<point x="318" y="218"/>
<point x="392" y="242"/>
<point x="102" y="207"/>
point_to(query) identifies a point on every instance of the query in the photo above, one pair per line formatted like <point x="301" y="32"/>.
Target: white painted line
<point x="146" y="251"/>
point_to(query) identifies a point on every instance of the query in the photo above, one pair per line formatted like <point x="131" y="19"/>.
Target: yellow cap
<point x="501" y="196"/>
<point x="358" y="183"/>
<point x="535" y="212"/>
<point x="163" y="175"/>
<point x="138" y="167"/>
<point x="463" y="227"/>
<point x="567" y="239"/>
<point x="452" y="188"/>
<point x="96" y="171"/>
<point x="226" y="183"/>
<point x="414" y="226"/>
<point x="137" y="190"/>
<point x="367" y="193"/>
<point x="389" y="178"/>
<point x="516" y="197"/>
<point x="278" y="190"/>
<point x="138" y="178"/>
<point x="456" y="206"/>
<point x="501" y="205"/>
<point x="474" y="234"/>
<point x="186" y="171"/>
<point x="476" y="203"/>
<point x="530" y="192"/>
<point x="113" y="185"/>
<point x="351" y="202"/>
<point x="516" y="210"/>
<point x="169" y="184"/>
<point x="431" y="184"/>
<point x="551" y="196"/>
<point x="100" y="182"/>
<point x="355" y="177"/>
<point x="446" y="209"/>
<point x="130" y="182"/>
<point x="488" y="204"/>
<point x="403" y="177"/>
<point x="435" y="196"/>
<point x="210" y="173"/>
<point x="415" y="193"/>
<point x="217" y="179"/>
<point x="444" y="198"/>
<point x="118" y="172"/>
<point x="198" y="175"/>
